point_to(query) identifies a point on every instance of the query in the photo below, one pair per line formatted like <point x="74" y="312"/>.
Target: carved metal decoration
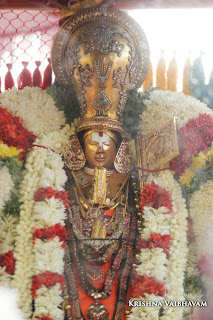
<point x="102" y="71"/>
<point x="123" y="99"/>
<point x="160" y="147"/>
<point x="82" y="179"/>
<point x="87" y="73"/>
<point x="103" y="40"/>
<point x="119" y="77"/>
<point x="124" y="161"/>
<point x="101" y="14"/>
<point x="72" y="59"/>
<point x="102" y="103"/>
<point x="82" y="101"/>
<point x="74" y="157"/>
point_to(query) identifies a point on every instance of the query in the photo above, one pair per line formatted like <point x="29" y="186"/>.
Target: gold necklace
<point x="86" y="201"/>
<point x="91" y="171"/>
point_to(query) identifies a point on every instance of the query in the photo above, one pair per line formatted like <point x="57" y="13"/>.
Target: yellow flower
<point x="6" y="151"/>
<point x="198" y="161"/>
<point x="209" y="153"/>
<point x="187" y="177"/>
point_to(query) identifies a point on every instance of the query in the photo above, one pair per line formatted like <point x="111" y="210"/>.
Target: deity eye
<point x="93" y="143"/>
<point x="106" y="144"/>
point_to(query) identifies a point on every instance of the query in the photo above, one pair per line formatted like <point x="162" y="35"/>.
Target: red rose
<point x="7" y="260"/>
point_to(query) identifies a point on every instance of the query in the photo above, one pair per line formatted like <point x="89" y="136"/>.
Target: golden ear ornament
<point x="124" y="161"/>
<point x="73" y="154"/>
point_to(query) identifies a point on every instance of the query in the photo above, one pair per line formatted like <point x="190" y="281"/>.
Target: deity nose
<point x="100" y="148"/>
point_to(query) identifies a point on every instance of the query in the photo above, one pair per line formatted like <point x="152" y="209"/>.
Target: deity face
<point x="100" y="150"/>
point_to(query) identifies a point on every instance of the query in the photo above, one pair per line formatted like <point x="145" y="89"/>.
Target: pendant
<point x="95" y="272"/>
<point x="97" y="311"/>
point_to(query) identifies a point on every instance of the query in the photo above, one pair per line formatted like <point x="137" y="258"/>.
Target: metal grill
<point x="25" y="36"/>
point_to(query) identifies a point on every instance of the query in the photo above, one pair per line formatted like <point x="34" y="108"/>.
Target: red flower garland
<point x="156" y="241"/>
<point x="7" y="260"/>
<point x="156" y="197"/>
<point x="195" y="136"/>
<point x="51" y="232"/>
<point x="49" y="279"/>
<point x="13" y="133"/>
<point x="49" y="192"/>
<point x="142" y="284"/>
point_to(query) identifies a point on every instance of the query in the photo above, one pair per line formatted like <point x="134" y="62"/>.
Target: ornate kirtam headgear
<point x="103" y="52"/>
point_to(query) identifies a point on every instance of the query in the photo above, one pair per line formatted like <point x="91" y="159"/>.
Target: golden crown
<point x="103" y="52"/>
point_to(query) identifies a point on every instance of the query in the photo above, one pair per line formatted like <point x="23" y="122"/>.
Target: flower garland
<point x="163" y="247"/>
<point x="13" y="133"/>
<point x="42" y="264"/>
<point x="14" y="141"/>
<point x="23" y="251"/>
<point x="200" y="210"/>
<point x="163" y="243"/>
<point x="201" y="213"/>
<point x="200" y="162"/>
<point x="195" y="136"/>
<point x="6" y="151"/>
<point x="6" y="186"/>
<point x="194" y="165"/>
<point x="163" y="105"/>
<point x="35" y="107"/>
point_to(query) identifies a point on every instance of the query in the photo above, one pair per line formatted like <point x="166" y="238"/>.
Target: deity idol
<point x="97" y="225"/>
<point x="103" y="53"/>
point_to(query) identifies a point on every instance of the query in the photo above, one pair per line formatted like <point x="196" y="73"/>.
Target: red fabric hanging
<point x="47" y="81"/>
<point x="24" y="79"/>
<point x="9" y="82"/>
<point x="37" y="78"/>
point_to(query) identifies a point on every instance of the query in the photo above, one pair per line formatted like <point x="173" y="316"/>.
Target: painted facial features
<point x="100" y="150"/>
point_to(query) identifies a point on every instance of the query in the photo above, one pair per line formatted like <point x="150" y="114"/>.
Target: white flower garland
<point x="7" y="223"/>
<point x="6" y="186"/>
<point x="35" y="107"/>
<point x="23" y="249"/>
<point x="201" y="212"/>
<point x="48" y="255"/>
<point x="154" y="261"/>
<point x="43" y="168"/>
<point x="163" y="105"/>
<point x="46" y="301"/>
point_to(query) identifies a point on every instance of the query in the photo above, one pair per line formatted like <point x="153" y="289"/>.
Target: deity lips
<point x="100" y="159"/>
